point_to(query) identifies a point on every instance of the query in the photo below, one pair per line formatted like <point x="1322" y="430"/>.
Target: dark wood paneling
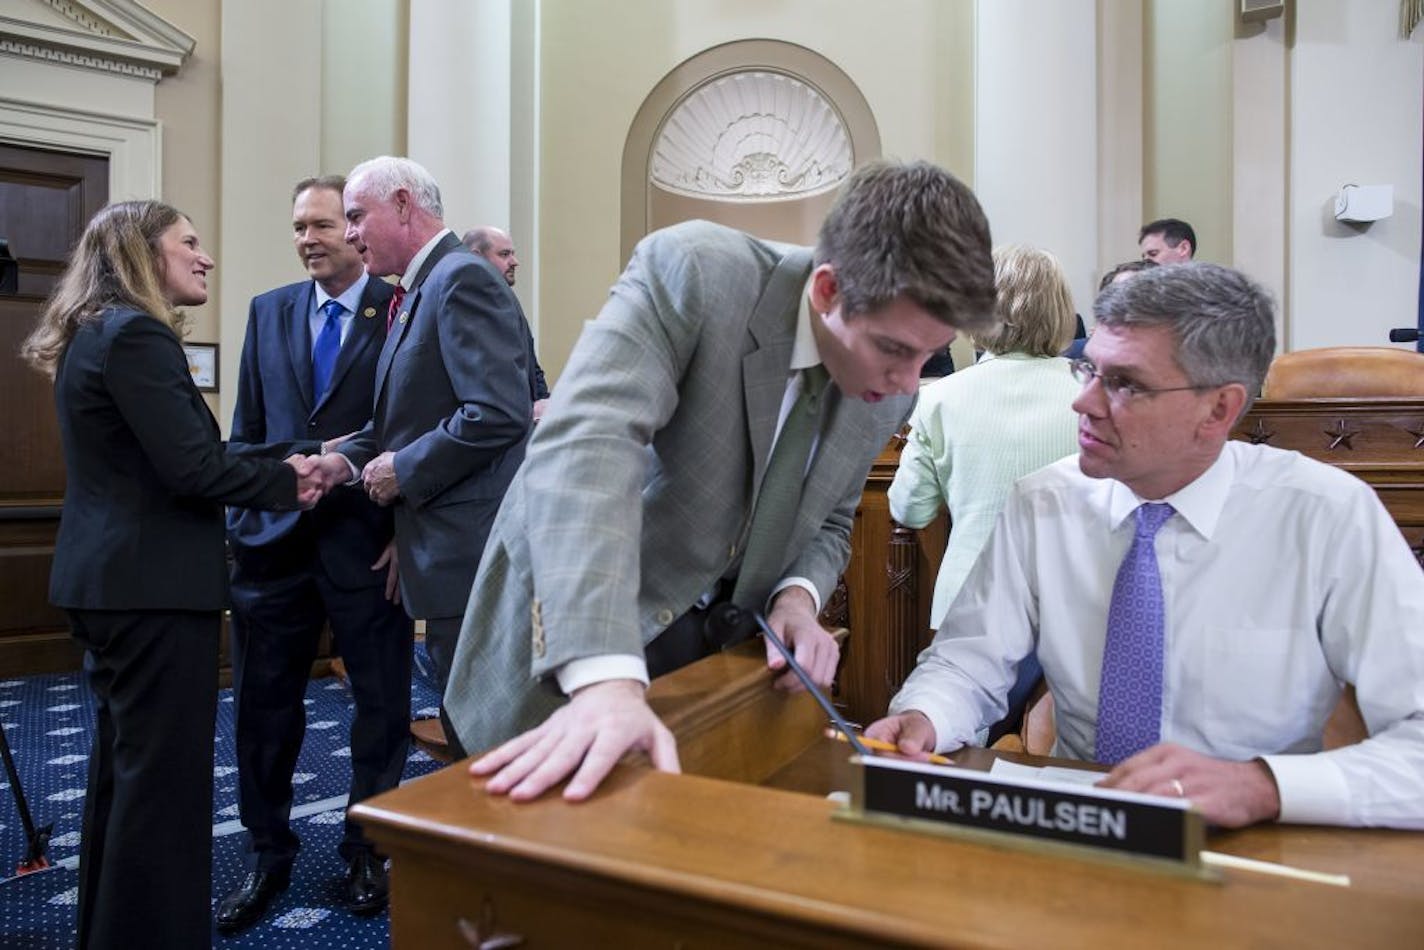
<point x="46" y="198"/>
<point x="888" y="588"/>
<point x="31" y="463"/>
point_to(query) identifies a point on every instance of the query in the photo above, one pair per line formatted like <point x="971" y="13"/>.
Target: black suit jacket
<point x="276" y="411"/>
<point x="146" y="479"/>
<point x="453" y="402"/>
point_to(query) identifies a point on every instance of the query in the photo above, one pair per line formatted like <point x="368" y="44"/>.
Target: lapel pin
<point x="369" y="312"/>
<point x="405" y="315"/>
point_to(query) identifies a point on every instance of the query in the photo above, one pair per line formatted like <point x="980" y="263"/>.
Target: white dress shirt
<point x="350" y="299"/>
<point x="1283" y="579"/>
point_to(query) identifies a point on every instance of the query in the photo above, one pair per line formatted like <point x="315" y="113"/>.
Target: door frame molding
<point x="133" y="146"/>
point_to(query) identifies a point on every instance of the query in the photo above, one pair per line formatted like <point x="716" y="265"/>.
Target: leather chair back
<point x="1345" y="372"/>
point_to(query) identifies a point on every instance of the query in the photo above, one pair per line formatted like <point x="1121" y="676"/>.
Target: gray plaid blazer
<point x="637" y="490"/>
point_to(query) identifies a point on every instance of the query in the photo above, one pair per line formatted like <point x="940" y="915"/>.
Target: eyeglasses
<point x="1120" y="388"/>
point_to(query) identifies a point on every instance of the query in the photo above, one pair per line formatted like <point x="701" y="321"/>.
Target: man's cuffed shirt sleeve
<point x="800" y="582"/>
<point x="576" y="674"/>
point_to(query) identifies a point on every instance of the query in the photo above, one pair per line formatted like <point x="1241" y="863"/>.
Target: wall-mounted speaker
<point x="1256" y="11"/>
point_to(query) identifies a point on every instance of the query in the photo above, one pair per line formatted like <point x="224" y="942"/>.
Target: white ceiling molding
<point x="754" y="135"/>
<point x="118" y="36"/>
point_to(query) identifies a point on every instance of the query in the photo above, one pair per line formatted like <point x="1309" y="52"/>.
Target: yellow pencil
<point x="883" y="746"/>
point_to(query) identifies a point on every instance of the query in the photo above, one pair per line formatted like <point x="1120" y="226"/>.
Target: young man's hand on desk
<point x="589" y="733"/>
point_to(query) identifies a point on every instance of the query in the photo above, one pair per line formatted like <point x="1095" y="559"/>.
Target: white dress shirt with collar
<point x="350" y="299"/>
<point x="1283" y="579"/>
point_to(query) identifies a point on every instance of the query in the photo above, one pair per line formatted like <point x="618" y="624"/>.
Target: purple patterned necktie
<point x="1130" y="692"/>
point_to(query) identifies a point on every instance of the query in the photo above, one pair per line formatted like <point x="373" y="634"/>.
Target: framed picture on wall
<point x="203" y="364"/>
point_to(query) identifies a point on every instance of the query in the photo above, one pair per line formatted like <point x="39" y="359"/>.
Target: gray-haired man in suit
<point x="634" y="514"/>
<point x="452" y="407"/>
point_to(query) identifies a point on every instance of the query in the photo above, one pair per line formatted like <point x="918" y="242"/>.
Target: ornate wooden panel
<point x="888" y="587"/>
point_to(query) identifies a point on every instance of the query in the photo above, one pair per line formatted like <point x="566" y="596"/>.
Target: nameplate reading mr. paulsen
<point x="1102" y="819"/>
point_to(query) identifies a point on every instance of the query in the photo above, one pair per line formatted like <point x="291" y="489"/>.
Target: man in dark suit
<point x="496" y="246"/>
<point x="453" y="403"/>
<point x="308" y="371"/>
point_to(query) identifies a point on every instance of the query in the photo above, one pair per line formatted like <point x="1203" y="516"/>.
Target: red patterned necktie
<point x="394" y="307"/>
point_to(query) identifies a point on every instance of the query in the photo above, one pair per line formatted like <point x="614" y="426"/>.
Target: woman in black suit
<point x="139" y="565"/>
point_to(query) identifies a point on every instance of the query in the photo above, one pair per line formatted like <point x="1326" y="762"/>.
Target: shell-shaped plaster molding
<point x="752" y="136"/>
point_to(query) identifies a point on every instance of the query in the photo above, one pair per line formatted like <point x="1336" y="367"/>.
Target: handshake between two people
<point x="317" y="475"/>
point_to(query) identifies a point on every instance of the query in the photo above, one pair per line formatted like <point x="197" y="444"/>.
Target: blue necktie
<point x="328" y="344"/>
<point x="1130" y="692"/>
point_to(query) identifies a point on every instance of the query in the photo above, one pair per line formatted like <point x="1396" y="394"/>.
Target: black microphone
<point x="1404" y="335"/>
<point x="811" y="687"/>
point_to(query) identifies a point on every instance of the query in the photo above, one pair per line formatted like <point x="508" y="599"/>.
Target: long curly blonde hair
<point x="116" y="263"/>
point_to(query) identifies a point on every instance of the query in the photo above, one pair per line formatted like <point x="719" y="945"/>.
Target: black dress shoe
<point x="246" y="905"/>
<point x="367" y="889"/>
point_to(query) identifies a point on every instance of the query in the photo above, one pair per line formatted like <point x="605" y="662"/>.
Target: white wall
<point x="597" y="69"/>
<point x="1356" y="104"/>
<point x="459" y="105"/>
<point x="1188" y="157"/>
<point x="264" y="151"/>
<point x="1035" y="133"/>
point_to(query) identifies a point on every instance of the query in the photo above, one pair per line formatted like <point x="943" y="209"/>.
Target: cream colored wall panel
<point x="271" y="138"/>
<point x="1356" y="107"/>
<point x="1260" y="161"/>
<point x="1188" y="154"/>
<point x="363" y="82"/>
<point x="1120" y="124"/>
<point x="1035" y="138"/>
<point x="71" y="87"/>
<point x="459" y="105"/>
<point x="188" y="105"/>
<point x="597" y="68"/>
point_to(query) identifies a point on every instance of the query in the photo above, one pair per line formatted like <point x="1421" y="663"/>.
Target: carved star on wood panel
<point x="1260" y="434"/>
<point x="1418" y="436"/>
<point x="1341" y="435"/>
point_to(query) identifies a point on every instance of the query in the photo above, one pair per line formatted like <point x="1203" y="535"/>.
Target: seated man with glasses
<point x="1197" y="604"/>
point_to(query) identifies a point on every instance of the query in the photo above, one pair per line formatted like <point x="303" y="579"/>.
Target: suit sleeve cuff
<point x="800" y="582"/>
<point x="351" y="467"/>
<point x="1312" y="789"/>
<point x="577" y="674"/>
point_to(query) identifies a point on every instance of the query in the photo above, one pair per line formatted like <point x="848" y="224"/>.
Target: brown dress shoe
<point x="429" y="736"/>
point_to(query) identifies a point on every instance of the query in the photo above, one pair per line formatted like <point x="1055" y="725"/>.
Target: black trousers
<point x="277" y="622"/>
<point x="146" y="857"/>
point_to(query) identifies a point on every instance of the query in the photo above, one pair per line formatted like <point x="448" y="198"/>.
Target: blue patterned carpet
<point x="49" y="721"/>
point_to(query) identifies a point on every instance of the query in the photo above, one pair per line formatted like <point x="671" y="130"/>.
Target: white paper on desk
<point x="1049" y="773"/>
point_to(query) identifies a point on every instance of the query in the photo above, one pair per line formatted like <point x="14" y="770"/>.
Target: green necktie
<point x="780" y="495"/>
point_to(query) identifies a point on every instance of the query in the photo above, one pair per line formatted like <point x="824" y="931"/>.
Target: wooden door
<point x="46" y="198"/>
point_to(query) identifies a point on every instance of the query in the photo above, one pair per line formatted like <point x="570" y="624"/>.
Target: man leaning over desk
<point x="1197" y="604"/>
<point x="640" y="511"/>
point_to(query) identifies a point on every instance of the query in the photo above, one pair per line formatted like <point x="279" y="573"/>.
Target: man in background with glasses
<point x="1197" y="603"/>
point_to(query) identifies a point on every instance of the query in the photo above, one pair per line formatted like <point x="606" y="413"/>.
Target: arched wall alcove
<point x="755" y="134"/>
